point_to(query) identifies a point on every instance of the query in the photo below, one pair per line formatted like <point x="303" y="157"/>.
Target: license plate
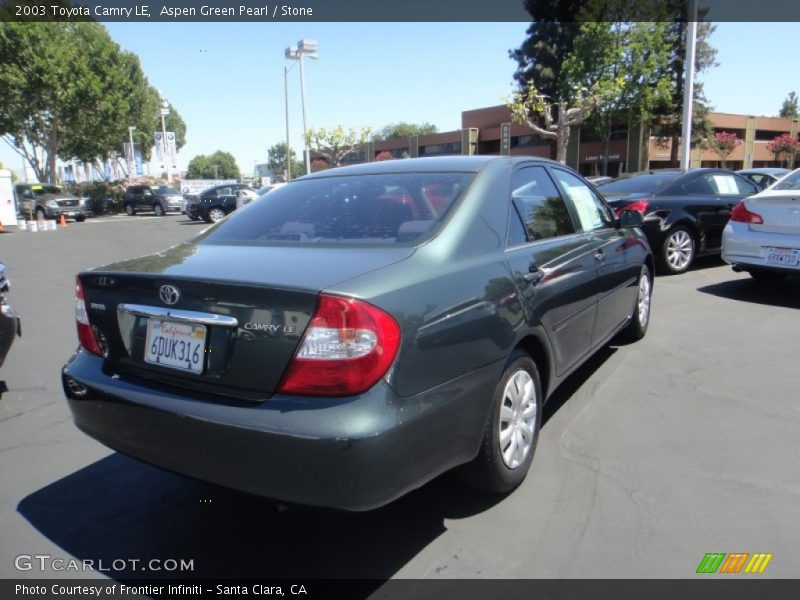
<point x="175" y="345"/>
<point x="782" y="256"/>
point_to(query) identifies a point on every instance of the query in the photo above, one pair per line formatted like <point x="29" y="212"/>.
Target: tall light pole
<point x="133" y="153"/>
<point x="304" y="48"/>
<point x="164" y="112"/>
<point x="688" y="86"/>
<point x="290" y="54"/>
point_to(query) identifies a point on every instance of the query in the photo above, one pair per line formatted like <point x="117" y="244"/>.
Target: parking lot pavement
<point x="652" y="455"/>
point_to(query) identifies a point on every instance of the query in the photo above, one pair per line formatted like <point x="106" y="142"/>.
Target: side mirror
<point x="630" y="219"/>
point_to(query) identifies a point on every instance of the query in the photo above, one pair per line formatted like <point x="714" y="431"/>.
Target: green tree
<point x="67" y="90"/>
<point x="546" y="47"/>
<point x="276" y="161"/>
<point x="789" y="109"/>
<point x="220" y="165"/>
<point x="336" y="143"/>
<point x="404" y="130"/>
<point x="672" y="108"/>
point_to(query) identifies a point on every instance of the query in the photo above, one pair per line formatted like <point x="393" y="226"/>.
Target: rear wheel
<point x="215" y="214"/>
<point x="678" y="250"/>
<point x="640" y="318"/>
<point x="512" y="430"/>
<point x="159" y="210"/>
<point x="129" y="210"/>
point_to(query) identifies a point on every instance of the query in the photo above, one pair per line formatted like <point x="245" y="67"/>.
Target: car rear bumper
<point x="745" y="248"/>
<point x="353" y="453"/>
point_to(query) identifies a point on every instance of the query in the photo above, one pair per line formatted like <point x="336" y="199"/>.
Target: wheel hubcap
<point x="517" y="419"/>
<point x="679" y="249"/>
<point x="216" y="215"/>
<point x="644" y="300"/>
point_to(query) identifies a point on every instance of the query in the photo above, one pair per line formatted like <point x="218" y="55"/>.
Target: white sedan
<point x="763" y="235"/>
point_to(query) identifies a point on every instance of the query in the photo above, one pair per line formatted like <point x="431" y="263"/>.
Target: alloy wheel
<point x="644" y="299"/>
<point x="517" y="419"/>
<point x="216" y="214"/>
<point x="680" y="250"/>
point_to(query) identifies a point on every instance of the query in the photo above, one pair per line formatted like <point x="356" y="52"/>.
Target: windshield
<point x="384" y="209"/>
<point x="41" y="190"/>
<point x="165" y="190"/>
<point x="790" y="182"/>
<point x="639" y="184"/>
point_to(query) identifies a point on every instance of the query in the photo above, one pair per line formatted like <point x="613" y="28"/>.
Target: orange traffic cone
<point x="2" y="229"/>
<point x="63" y="222"/>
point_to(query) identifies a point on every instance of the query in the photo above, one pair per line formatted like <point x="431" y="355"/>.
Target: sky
<point x="226" y="79"/>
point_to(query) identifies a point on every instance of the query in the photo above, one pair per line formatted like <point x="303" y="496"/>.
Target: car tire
<point x="214" y="215"/>
<point x="678" y="250"/>
<point x="509" y="440"/>
<point x="40" y="214"/>
<point x="129" y="210"/>
<point x="159" y="210"/>
<point x="767" y="277"/>
<point x="80" y="218"/>
<point x="640" y="318"/>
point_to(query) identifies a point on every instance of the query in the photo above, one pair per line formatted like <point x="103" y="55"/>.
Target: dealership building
<point x="491" y="131"/>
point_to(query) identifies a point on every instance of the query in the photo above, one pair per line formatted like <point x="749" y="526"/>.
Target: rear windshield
<point x="639" y="183"/>
<point x="790" y="182"/>
<point x="383" y="209"/>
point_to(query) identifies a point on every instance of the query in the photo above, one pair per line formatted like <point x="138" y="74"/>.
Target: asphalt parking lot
<point x="652" y="454"/>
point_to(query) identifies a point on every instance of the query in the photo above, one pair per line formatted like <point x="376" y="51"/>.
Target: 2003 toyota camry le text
<point x="361" y="330"/>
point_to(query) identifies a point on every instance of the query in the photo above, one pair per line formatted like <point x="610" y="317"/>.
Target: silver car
<point x="763" y="235"/>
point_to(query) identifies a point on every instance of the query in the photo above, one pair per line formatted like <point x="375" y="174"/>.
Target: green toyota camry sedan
<point x="362" y="330"/>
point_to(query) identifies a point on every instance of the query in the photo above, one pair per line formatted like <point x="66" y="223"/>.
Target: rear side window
<point x="383" y="209"/>
<point x="592" y="213"/>
<point x="542" y="210"/>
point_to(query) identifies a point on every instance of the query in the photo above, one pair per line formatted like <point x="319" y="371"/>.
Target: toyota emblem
<point x="169" y="294"/>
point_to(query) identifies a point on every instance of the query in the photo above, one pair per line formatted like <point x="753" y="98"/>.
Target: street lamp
<point x="133" y="154"/>
<point x="304" y="48"/>
<point x="164" y="149"/>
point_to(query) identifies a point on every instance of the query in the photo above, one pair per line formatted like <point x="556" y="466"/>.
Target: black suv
<point x="161" y="199"/>
<point x="41" y="201"/>
<point x="215" y="202"/>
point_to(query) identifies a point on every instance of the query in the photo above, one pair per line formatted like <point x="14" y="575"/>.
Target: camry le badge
<point x="169" y="294"/>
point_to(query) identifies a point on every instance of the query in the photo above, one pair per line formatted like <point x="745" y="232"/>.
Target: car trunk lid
<point x="246" y="306"/>
<point x="779" y="211"/>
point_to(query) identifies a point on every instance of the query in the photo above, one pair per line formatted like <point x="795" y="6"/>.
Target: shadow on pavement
<point x="785" y="293"/>
<point x="567" y="389"/>
<point x="119" y="508"/>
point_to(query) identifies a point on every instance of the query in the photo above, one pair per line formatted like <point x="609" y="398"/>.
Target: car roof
<point x="430" y="164"/>
<point x="766" y="170"/>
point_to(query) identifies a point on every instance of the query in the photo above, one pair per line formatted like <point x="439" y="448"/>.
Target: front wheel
<point x="129" y="210"/>
<point x="677" y="251"/>
<point x="512" y="429"/>
<point x="80" y="218"/>
<point x="159" y="210"/>
<point x="215" y="214"/>
<point x="640" y="318"/>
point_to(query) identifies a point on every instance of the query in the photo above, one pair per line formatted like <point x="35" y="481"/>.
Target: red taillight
<point x="740" y="214"/>
<point x="86" y="335"/>
<point x="348" y="347"/>
<point x="637" y="205"/>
